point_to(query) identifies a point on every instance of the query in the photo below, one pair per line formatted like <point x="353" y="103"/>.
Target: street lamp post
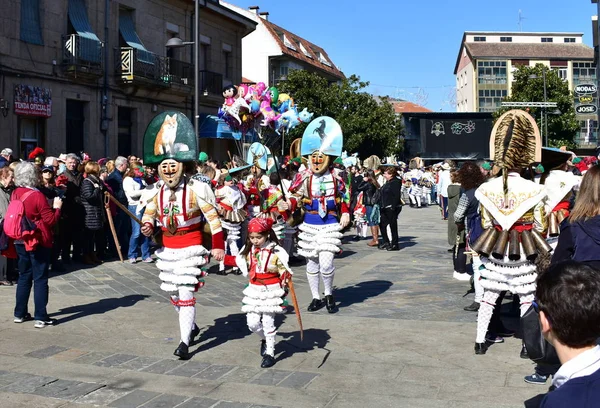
<point x="544" y="112"/>
<point x="176" y="42"/>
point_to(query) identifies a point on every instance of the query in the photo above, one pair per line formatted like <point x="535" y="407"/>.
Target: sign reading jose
<point x="586" y="102"/>
<point x="33" y="101"/>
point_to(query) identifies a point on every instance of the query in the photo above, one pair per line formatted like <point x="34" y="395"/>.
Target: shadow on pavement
<point x="226" y="328"/>
<point x="313" y="339"/>
<point x="360" y="292"/>
<point x="345" y="254"/>
<point x="406" y="242"/>
<point x="100" y="307"/>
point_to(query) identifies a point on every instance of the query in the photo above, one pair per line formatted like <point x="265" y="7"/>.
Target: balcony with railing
<point x="211" y="83"/>
<point x="137" y="66"/>
<point x="181" y="72"/>
<point x="82" y="56"/>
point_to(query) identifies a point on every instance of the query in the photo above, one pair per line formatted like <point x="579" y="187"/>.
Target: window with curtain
<point x="31" y="28"/>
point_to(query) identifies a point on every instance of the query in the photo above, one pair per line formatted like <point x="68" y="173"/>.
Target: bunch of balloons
<point x="247" y="106"/>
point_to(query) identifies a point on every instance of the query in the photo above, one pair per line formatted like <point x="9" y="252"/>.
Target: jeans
<point x="444" y="205"/>
<point x="137" y="238"/>
<point x="33" y="268"/>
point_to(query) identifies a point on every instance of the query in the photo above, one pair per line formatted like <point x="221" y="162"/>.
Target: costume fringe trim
<point x="177" y="254"/>
<point x="263" y="309"/>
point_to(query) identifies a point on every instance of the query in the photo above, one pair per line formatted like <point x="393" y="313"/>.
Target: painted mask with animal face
<point x="319" y="162"/>
<point x="171" y="172"/>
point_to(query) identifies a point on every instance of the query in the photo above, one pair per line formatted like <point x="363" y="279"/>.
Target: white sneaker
<point x="461" y="276"/>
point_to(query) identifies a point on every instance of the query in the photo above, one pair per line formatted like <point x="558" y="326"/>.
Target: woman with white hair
<point x="34" y="258"/>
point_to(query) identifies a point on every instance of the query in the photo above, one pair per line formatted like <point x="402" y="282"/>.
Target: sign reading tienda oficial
<point x="586" y="102"/>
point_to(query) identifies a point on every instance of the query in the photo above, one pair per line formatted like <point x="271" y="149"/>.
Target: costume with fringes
<point x="230" y="205"/>
<point x="270" y="198"/>
<point x="264" y="297"/>
<point x="513" y="218"/>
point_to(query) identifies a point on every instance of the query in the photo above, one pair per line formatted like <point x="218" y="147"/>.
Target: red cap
<point x="260" y="225"/>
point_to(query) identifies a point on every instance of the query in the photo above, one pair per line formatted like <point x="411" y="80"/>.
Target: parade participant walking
<point x="326" y="205"/>
<point x="416" y="191"/>
<point x="368" y="187"/>
<point x="390" y="207"/>
<point x="513" y="217"/>
<point x="230" y="206"/>
<point x="266" y="264"/>
<point x="443" y="182"/>
<point x="179" y="206"/>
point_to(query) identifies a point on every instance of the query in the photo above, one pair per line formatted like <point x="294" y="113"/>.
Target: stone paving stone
<point x="214" y="372"/>
<point x="114" y="360"/>
<point x="28" y="384"/>
<point x="199" y="402"/>
<point x="189" y="369"/>
<point x="139" y="363"/>
<point x="67" y="390"/>
<point x="297" y="380"/>
<point x="263" y="406"/>
<point x="134" y="399"/>
<point x="242" y="374"/>
<point x="46" y="352"/>
<point x="92" y="357"/>
<point x="228" y="404"/>
<point x="102" y="396"/>
<point x="271" y="377"/>
<point x="162" y="366"/>
<point x="165" y="401"/>
<point x="9" y="377"/>
<point x="68" y="355"/>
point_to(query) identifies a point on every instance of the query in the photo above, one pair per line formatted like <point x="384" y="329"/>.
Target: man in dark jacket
<point x="122" y="223"/>
<point x="72" y="214"/>
<point x="390" y="205"/>
<point x="568" y="301"/>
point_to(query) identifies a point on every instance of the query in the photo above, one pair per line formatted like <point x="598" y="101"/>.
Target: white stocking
<point x="268" y="324"/>
<point x="312" y="273"/>
<point x="327" y="270"/>
<point x="413" y="199"/>
<point x="254" y="324"/>
<point x="486" y="309"/>
<point x="477" y="279"/>
<point x="418" y="200"/>
<point x="222" y="263"/>
<point x="187" y="316"/>
<point x="526" y="302"/>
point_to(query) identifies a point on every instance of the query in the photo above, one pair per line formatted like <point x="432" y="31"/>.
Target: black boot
<point x="267" y="361"/>
<point x="524" y="354"/>
<point x="263" y="348"/>
<point x="473" y="307"/>
<point x="480" y="348"/>
<point x="385" y="245"/>
<point x="315" y="305"/>
<point x="195" y="332"/>
<point x="330" y="304"/>
<point x="182" y="351"/>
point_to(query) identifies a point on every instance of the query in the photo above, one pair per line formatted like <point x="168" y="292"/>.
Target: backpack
<point x="16" y="224"/>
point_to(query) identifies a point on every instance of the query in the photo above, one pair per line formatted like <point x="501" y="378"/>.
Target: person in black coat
<point x="92" y="197"/>
<point x="390" y="205"/>
<point x="72" y="212"/>
<point x="369" y="187"/>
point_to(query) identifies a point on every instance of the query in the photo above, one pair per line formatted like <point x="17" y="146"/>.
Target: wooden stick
<point x="123" y="208"/>
<point x="112" y="229"/>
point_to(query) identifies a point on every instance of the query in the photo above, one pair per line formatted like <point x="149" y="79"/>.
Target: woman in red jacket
<point x="33" y="263"/>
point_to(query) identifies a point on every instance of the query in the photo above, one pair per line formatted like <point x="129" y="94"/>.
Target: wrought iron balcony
<point x="211" y="82"/>
<point x="136" y="65"/>
<point x="181" y="72"/>
<point x="82" y="55"/>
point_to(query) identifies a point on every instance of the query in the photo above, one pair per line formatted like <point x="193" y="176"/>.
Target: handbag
<point x="538" y="348"/>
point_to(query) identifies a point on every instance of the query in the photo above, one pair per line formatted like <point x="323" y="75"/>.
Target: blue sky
<point x="408" y="48"/>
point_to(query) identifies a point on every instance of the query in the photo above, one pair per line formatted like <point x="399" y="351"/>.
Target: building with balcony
<point x="271" y="52"/>
<point x="67" y="87"/>
<point x="486" y="62"/>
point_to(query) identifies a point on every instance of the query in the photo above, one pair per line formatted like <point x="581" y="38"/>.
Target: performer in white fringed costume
<point x="266" y="264"/>
<point x="324" y="197"/>
<point x="231" y="204"/>
<point x="513" y="217"/>
<point x="179" y="207"/>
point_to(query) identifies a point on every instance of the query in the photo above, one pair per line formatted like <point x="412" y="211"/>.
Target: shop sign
<point x="33" y="101"/>
<point x="586" y="109"/>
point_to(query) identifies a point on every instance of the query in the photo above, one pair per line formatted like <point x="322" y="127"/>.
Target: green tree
<point x="528" y="86"/>
<point x="369" y="127"/>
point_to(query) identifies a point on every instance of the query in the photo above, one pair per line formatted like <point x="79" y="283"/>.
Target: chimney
<point x="254" y="9"/>
<point x="265" y="15"/>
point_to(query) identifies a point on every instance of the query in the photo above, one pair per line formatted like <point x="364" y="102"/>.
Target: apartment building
<point x="486" y="62"/>
<point x="271" y="52"/>
<point x="88" y="75"/>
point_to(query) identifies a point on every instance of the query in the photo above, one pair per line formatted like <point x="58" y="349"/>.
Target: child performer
<point x="266" y="263"/>
<point x="230" y="206"/>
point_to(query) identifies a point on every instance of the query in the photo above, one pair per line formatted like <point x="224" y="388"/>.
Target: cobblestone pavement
<point x="400" y="339"/>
